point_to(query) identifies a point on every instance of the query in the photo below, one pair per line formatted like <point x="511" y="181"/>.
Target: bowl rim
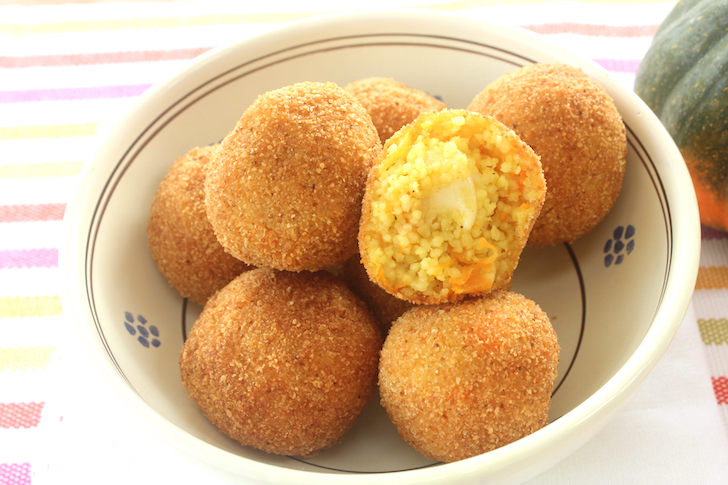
<point x="679" y="284"/>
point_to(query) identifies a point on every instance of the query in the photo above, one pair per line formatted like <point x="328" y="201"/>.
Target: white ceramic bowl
<point x="616" y="296"/>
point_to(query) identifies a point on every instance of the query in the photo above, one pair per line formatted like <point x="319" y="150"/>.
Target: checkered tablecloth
<point x="68" y="72"/>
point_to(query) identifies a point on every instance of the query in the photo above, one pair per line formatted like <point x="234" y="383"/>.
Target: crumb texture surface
<point x="283" y="362"/>
<point x="573" y="124"/>
<point x="285" y="190"/>
<point x="462" y="379"/>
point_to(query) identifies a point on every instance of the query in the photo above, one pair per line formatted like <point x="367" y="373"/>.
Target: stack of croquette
<point x="341" y="238"/>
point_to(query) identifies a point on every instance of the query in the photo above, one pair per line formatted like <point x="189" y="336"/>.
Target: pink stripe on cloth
<point x="101" y="58"/>
<point x="26" y="258"/>
<point x="594" y="29"/>
<point x="20" y="415"/>
<point x="710" y="233"/>
<point x="60" y="94"/>
<point x="32" y="212"/>
<point x="619" y="65"/>
<point x="720" y="388"/>
<point x="15" y="473"/>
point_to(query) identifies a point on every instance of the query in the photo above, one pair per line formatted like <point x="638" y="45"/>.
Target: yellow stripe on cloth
<point x="713" y="331"/>
<point x="30" y="306"/>
<point x="39" y="170"/>
<point x="149" y="23"/>
<point x="469" y="4"/>
<point x="25" y="358"/>
<point x="712" y="277"/>
<point x="47" y="131"/>
<point x="240" y="18"/>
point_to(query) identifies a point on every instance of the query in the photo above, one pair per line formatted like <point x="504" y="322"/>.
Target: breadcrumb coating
<point x="462" y="379"/>
<point x="385" y="307"/>
<point x="285" y="189"/>
<point x="283" y="362"/>
<point x="391" y="104"/>
<point x="448" y="207"/>
<point x="573" y="124"/>
<point x="179" y="235"/>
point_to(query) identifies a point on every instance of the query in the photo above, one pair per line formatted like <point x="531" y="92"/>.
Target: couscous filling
<point x="448" y="199"/>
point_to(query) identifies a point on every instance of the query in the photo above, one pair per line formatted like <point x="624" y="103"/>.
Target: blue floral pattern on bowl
<point x="137" y="326"/>
<point x="619" y="245"/>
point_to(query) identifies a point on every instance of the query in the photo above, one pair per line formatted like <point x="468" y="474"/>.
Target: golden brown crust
<point x="285" y="189"/>
<point x="391" y="104"/>
<point x="179" y="235"/>
<point x="574" y="125"/>
<point x="462" y="379"/>
<point x="385" y="307"/>
<point x="283" y="362"/>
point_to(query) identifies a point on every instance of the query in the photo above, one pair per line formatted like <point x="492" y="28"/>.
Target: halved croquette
<point x="448" y="207"/>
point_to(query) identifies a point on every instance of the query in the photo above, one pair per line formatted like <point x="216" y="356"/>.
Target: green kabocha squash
<point x="684" y="79"/>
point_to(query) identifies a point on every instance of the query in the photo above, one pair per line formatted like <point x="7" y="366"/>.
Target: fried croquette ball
<point x="391" y="104"/>
<point x="573" y="124"/>
<point x="285" y="189"/>
<point x="179" y="235"/>
<point x="283" y="362"/>
<point x="448" y="207"/>
<point x="462" y="379"/>
<point x="385" y="307"/>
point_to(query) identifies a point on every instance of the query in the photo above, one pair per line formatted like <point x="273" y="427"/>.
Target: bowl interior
<point x="601" y="292"/>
